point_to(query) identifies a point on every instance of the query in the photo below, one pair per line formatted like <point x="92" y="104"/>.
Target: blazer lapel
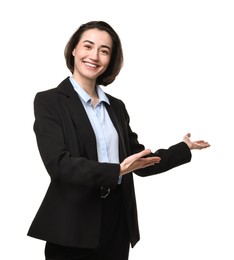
<point x="113" y="117"/>
<point x="80" y="118"/>
<point x="113" y="113"/>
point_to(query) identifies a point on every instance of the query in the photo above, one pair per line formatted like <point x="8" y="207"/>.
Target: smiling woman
<point x="114" y="47"/>
<point x="90" y="152"/>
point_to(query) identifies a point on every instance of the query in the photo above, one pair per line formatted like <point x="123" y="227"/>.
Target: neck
<point x="88" y="85"/>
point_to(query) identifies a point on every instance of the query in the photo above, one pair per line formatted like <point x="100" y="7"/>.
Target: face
<point x="92" y="55"/>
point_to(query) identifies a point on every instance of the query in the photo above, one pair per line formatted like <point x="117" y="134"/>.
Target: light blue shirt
<point x="106" y="135"/>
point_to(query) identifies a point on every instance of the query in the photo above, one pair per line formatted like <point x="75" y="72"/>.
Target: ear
<point x="74" y="52"/>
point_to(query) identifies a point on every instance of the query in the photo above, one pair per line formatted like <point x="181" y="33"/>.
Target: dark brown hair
<point x="116" y="61"/>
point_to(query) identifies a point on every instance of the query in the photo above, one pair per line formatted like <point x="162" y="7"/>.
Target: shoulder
<point x="50" y="99"/>
<point x="52" y="93"/>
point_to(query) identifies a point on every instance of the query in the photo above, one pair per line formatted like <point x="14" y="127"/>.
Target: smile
<point x="91" y="65"/>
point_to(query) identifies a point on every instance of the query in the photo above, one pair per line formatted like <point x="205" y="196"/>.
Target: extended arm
<point x="172" y="157"/>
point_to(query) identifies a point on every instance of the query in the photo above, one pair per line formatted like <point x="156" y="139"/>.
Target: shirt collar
<point x="85" y="96"/>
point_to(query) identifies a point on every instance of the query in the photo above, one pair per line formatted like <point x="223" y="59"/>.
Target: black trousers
<point x="114" y="239"/>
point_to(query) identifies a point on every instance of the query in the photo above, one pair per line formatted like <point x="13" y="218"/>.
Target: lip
<point x="91" y="65"/>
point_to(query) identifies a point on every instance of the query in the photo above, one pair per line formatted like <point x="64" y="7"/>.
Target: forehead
<point x="97" y="36"/>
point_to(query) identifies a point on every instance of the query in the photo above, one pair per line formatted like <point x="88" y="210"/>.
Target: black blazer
<point x="70" y="213"/>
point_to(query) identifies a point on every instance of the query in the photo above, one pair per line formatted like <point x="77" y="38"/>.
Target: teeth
<point x="91" y="65"/>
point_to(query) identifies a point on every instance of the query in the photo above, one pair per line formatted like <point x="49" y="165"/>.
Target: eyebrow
<point x="103" y="46"/>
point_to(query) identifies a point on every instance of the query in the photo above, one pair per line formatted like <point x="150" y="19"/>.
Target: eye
<point x="105" y="51"/>
<point x="87" y="46"/>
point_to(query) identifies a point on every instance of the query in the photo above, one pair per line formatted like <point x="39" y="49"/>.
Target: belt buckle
<point x="105" y="192"/>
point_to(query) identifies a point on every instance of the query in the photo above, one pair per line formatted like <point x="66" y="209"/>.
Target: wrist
<point x="188" y="144"/>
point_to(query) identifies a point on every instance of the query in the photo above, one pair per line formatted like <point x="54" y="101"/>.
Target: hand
<point x="137" y="161"/>
<point x="200" y="144"/>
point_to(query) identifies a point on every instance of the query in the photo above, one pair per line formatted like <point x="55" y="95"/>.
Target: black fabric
<point x="114" y="240"/>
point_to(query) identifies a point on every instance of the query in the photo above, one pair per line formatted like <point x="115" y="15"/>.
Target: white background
<point x="177" y="78"/>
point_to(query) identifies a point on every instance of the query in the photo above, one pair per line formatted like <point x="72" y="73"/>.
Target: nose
<point x="94" y="54"/>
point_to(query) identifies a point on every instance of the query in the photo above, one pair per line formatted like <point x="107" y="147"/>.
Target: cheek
<point x="79" y="56"/>
<point x="79" y="53"/>
<point x="106" y="62"/>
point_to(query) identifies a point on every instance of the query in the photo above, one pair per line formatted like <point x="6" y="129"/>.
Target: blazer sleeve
<point x="172" y="157"/>
<point x="61" y="165"/>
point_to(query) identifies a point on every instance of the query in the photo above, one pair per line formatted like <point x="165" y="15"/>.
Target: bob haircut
<point x="116" y="61"/>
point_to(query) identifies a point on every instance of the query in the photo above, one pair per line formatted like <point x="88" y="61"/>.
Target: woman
<point x="89" y="150"/>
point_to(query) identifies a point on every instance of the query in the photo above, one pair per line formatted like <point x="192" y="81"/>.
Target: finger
<point x="200" y="141"/>
<point x="150" y="160"/>
<point x="142" y="153"/>
<point x="203" y="143"/>
<point x="202" y="146"/>
<point x="148" y="165"/>
<point x="153" y="159"/>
